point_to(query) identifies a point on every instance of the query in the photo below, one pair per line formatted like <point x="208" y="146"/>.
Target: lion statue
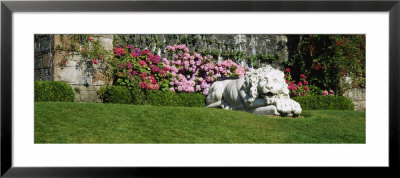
<point x="260" y="91"/>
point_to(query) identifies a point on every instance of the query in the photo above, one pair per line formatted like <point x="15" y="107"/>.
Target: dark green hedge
<point x="159" y="98"/>
<point x="53" y="91"/>
<point x="117" y="94"/>
<point x="121" y="94"/>
<point x="325" y="102"/>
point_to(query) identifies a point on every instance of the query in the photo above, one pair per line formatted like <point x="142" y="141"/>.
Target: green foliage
<point x="314" y="90"/>
<point x="192" y="99"/>
<point x="325" y="102"/>
<point x="101" y="91"/>
<point x="159" y="98"/>
<point x="328" y="59"/>
<point x="255" y="60"/>
<point x="95" y="54"/>
<point x="138" y="95"/>
<point x="187" y="39"/>
<point x="77" y="90"/>
<point x="122" y="95"/>
<point x="53" y="91"/>
<point x="153" y="42"/>
<point x="299" y="88"/>
<point x="215" y="53"/>
<point x="233" y="55"/>
<point x="116" y="94"/>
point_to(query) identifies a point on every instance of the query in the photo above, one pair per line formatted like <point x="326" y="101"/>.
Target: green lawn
<point x="117" y="123"/>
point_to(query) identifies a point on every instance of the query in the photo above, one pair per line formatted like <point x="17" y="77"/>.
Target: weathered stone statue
<point x="261" y="91"/>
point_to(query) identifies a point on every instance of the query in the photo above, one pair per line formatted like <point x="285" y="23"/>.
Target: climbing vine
<point x="91" y="49"/>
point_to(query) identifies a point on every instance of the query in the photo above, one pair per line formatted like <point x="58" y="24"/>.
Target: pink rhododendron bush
<point x="193" y="72"/>
<point x="180" y="71"/>
<point x="133" y="67"/>
<point x="297" y="88"/>
<point x="302" y="86"/>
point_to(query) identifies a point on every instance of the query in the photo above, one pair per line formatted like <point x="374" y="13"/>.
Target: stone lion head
<point x="267" y="83"/>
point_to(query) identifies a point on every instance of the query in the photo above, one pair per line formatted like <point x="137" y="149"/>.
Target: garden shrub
<point x="122" y="95"/>
<point x="328" y="102"/>
<point x="181" y="70"/>
<point x="299" y="88"/>
<point x="331" y="62"/>
<point x="53" y="91"/>
<point x="314" y="90"/>
<point x="138" y="95"/>
<point x="117" y="94"/>
<point x="192" y="99"/>
<point x="160" y="98"/>
<point x="195" y="73"/>
<point x="101" y="92"/>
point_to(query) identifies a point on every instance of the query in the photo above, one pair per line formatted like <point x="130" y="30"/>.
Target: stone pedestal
<point x="266" y="110"/>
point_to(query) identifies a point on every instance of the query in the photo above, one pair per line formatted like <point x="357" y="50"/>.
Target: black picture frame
<point x="8" y="7"/>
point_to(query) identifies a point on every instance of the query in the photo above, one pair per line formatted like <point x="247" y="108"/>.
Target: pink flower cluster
<point x="331" y="92"/>
<point x="193" y="72"/>
<point x="297" y="88"/>
<point x="230" y="68"/>
<point x="142" y="63"/>
<point x="180" y="71"/>
<point x="178" y="47"/>
<point x="149" y="82"/>
<point x="119" y="51"/>
<point x="139" y="66"/>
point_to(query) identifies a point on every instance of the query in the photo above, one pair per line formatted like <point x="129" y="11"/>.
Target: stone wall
<point x="44" y="48"/>
<point x="84" y="76"/>
<point x="250" y="44"/>
<point x="358" y="97"/>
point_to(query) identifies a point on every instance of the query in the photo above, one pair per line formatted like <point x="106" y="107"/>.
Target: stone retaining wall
<point x="44" y="48"/>
<point x="84" y="76"/>
<point x="249" y="44"/>
<point x="358" y="97"/>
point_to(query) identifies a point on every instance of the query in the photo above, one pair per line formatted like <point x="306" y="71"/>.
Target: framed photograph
<point x="142" y="88"/>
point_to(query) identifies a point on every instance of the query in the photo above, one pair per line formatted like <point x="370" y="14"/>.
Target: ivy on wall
<point x="91" y="50"/>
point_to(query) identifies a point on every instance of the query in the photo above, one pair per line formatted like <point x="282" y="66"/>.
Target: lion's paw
<point x="283" y="107"/>
<point x="288" y="106"/>
<point x="225" y="105"/>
